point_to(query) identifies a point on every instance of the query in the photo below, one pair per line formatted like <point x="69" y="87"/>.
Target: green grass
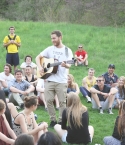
<point x="104" y="45"/>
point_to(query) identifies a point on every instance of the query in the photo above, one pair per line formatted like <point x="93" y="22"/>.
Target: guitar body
<point x="48" y="71"/>
<point x="50" y="66"/>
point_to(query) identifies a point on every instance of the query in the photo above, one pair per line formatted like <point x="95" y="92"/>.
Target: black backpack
<point x="11" y="39"/>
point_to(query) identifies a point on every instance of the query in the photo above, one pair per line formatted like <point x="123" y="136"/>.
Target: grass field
<point x="104" y="45"/>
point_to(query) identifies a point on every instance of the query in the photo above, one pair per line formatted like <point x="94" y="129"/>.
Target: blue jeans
<point x="70" y="90"/>
<point x="85" y="92"/>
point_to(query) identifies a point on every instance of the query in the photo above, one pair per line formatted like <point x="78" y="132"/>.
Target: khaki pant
<point x="51" y="89"/>
<point x="16" y="99"/>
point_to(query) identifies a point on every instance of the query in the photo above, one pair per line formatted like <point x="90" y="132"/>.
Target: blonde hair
<point x="122" y="89"/>
<point x="121" y="120"/>
<point x="72" y="83"/>
<point x="75" y="109"/>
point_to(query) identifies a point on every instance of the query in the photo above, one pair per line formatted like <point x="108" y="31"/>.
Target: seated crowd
<point x="25" y="90"/>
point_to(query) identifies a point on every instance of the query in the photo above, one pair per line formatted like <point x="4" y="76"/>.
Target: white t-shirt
<point x="40" y="83"/>
<point x="6" y="78"/>
<point x="24" y="64"/>
<point x="60" y="54"/>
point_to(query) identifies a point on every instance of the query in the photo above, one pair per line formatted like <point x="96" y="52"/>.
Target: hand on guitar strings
<point x="63" y="64"/>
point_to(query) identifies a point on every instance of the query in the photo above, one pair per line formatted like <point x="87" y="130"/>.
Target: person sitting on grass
<point x="88" y="82"/>
<point x="10" y="111"/>
<point x="102" y="95"/>
<point x="120" y="95"/>
<point x="75" y="127"/>
<point x="49" y="138"/>
<point x="5" y="78"/>
<point x="24" y="139"/>
<point x="7" y="136"/>
<point x="28" y="62"/>
<point x="25" y="122"/>
<point x="29" y="77"/>
<point x="81" y="56"/>
<point x="19" y="88"/>
<point x="119" y="128"/>
<point x="72" y="85"/>
<point x="40" y="89"/>
<point x="111" y="79"/>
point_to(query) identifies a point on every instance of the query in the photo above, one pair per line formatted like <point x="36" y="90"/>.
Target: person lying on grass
<point x="25" y="122"/>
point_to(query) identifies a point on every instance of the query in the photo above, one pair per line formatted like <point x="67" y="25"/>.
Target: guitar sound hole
<point x="48" y="65"/>
<point x="45" y="69"/>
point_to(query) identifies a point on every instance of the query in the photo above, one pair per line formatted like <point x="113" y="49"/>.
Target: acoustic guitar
<point x="50" y="66"/>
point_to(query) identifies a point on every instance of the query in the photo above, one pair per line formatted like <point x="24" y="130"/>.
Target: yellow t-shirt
<point x="12" y="48"/>
<point x="91" y="84"/>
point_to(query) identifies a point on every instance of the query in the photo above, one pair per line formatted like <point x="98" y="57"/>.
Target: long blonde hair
<point x="72" y="83"/>
<point x="75" y="109"/>
<point x="122" y="89"/>
<point x="121" y="120"/>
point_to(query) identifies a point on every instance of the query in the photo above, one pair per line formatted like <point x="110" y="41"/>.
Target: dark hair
<point x="7" y="111"/>
<point x="49" y="138"/>
<point x="28" y="66"/>
<point x="10" y="68"/>
<point x="57" y="32"/>
<point x="111" y="66"/>
<point x="30" y="101"/>
<point x="26" y="57"/>
<point x="24" y="139"/>
<point x="12" y="27"/>
<point x="2" y="105"/>
<point x="18" y="70"/>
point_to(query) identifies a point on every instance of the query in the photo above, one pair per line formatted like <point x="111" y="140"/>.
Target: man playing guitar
<point x="56" y="83"/>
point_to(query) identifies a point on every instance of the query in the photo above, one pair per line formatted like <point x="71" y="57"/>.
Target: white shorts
<point x="104" y="104"/>
<point x="80" y="63"/>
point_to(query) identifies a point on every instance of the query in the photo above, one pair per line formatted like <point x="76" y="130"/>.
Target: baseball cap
<point x="111" y="66"/>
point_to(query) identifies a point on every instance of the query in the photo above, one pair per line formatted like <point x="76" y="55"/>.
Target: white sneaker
<point x="110" y="111"/>
<point x="88" y="100"/>
<point x="101" y="110"/>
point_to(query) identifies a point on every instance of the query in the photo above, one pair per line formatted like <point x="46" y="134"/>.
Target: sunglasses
<point x="99" y="80"/>
<point x="80" y="47"/>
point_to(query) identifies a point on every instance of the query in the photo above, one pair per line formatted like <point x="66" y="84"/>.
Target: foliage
<point x="92" y="12"/>
<point x="104" y="45"/>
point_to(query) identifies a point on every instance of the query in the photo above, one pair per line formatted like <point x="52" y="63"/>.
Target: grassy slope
<point x="104" y="46"/>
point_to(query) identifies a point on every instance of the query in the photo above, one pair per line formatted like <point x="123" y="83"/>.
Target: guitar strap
<point x="66" y="51"/>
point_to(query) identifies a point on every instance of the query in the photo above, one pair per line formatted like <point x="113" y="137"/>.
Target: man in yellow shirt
<point x="88" y="82"/>
<point x="11" y="43"/>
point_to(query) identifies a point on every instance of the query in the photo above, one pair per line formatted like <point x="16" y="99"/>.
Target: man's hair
<point x="57" y="32"/>
<point x="12" y="27"/>
<point x="8" y="65"/>
<point x="27" y="56"/>
<point x="101" y="77"/>
<point x="18" y="70"/>
<point x="29" y="66"/>
<point x="91" y="69"/>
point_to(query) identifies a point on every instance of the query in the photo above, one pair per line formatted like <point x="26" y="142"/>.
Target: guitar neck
<point x="55" y="64"/>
